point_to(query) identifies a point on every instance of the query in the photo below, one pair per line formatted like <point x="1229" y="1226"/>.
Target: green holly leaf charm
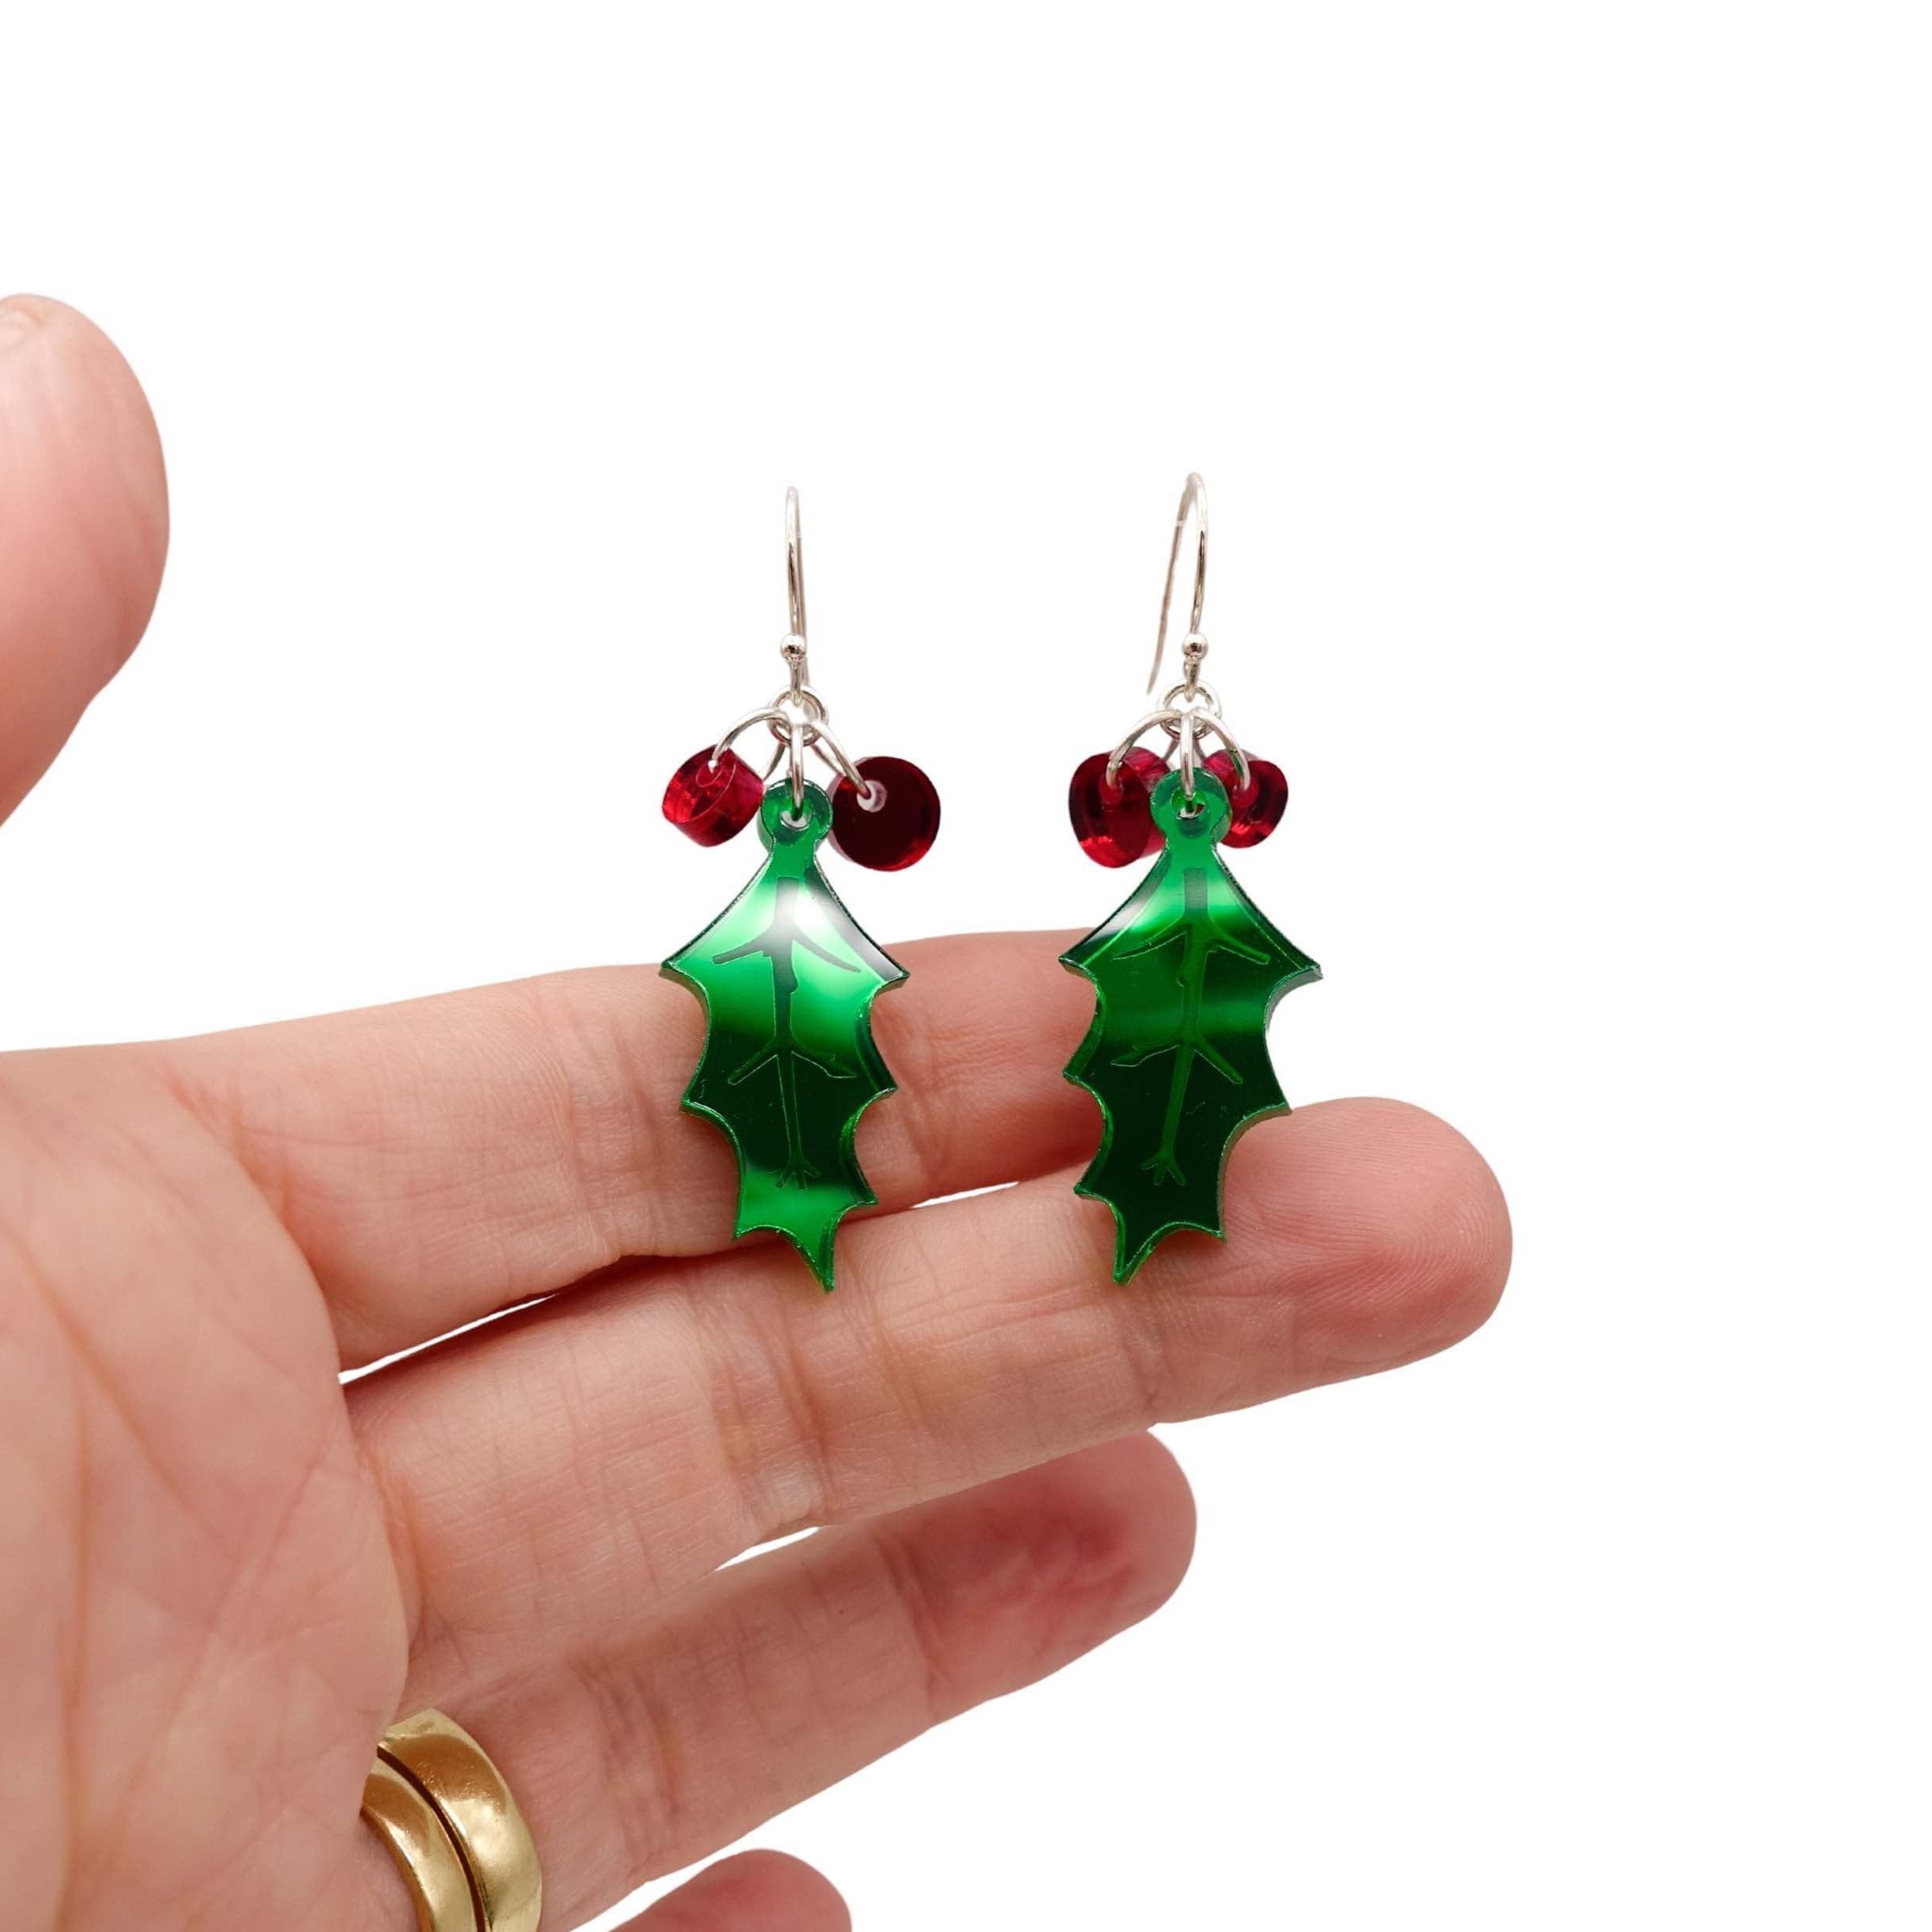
<point x="1186" y="974"/>
<point x="788" y="982"/>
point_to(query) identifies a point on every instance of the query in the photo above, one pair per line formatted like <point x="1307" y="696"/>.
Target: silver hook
<point x="795" y="646"/>
<point x="796" y="716"/>
<point x="1188" y="711"/>
<point x="1194" y="498"/>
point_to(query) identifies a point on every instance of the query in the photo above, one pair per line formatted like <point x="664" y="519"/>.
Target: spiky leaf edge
<point x="891" y="974"/>
<point x="1126" y="1267"/>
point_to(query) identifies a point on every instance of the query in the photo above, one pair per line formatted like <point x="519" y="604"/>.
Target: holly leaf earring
<point x="1187" y="972"/>
<point x="786" y="975"/>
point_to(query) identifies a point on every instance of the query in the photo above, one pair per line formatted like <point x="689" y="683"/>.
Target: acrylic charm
<point x="786" y="976"/>
<point x="787" y="979"/>
<point x="1187" y="972"/>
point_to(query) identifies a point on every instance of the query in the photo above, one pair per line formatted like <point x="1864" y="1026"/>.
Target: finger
<point x="82" y="527"/>
<point x="439" y="1161"/>
<point x="755" y="1891"/>
<point x="784" y="1673"/>
<point x="973" y="1337"/>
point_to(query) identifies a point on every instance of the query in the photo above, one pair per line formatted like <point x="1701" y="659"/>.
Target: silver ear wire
<point x="1194" y="646"/>
<point x="796" y="716"/>
<point x="1190" y="710"/>
<point x="794" y="646"/>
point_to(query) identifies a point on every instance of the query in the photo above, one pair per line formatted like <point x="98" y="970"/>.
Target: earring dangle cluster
<point x="1187" y="971"/>
<point x="786" y="977"/>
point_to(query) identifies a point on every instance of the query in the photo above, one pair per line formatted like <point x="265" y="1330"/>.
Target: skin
<point x="222" y="1573"/>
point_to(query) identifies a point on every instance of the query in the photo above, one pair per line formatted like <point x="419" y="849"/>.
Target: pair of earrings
<point x="1185" y="973"/>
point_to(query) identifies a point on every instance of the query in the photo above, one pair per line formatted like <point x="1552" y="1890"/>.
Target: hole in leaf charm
<point x="897" y="830"/>
<point x="1113" y="822"/>
<point x="710" y="803"/>
<point x="1258" y="809"/>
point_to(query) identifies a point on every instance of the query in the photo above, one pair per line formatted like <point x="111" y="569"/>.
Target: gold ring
<point x="424" y="1852"/>
<point x="449" y="1822"/>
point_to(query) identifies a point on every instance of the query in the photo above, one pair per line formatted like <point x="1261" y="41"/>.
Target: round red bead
<point x="1113" y="822"/>
<point x="710" y="803"/>
<point x="895" y="833"/>
<point x="1258" y="810"/>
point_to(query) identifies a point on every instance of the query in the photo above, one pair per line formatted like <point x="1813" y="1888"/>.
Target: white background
<point x="1560" y="377"/>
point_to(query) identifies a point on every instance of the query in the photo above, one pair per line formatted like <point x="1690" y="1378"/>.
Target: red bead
<point x="1113" y="822"/>
<point x="1257" y="811"/>
<point x="898" y="832"/>
<point x="710" y="803"/>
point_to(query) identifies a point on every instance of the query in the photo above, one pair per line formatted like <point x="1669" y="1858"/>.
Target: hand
<point x="223" y="1573"/>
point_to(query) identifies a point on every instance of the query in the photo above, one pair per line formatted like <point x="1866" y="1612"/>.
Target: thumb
<point x="83" y="528"/>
